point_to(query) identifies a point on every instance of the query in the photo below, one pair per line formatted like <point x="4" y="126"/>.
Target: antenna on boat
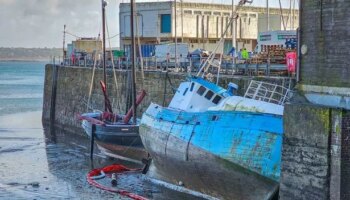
<point x="210" y="61"/>
<point x="104" y="4"/>
<point x="133" y="52"/>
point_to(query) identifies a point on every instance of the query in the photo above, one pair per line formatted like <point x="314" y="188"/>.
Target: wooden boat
<point x="116" y="135"/>
<point x="115" y="139"/>
<point x="217" y="143"/>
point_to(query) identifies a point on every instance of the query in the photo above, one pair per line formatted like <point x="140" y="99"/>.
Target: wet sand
<point x="33" y="167"/>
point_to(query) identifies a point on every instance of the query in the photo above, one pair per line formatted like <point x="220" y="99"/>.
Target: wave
<point x="31" y="81"/>
<point x="21" y="96"/>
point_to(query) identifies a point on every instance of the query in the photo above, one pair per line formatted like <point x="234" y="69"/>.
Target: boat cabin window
<point x="216" y="99"/>
<point x="209" y="95"/>
<point x="192" y="86"/>
<point x="201" y="90"/>
<point x="185" y="92"/>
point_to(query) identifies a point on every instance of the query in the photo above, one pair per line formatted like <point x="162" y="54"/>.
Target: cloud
<point x="39" y="23"/>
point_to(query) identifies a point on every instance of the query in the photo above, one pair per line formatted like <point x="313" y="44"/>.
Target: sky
<point x="39" y="23"/>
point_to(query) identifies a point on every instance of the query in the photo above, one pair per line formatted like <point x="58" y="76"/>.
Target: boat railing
<point x="268" y="92"/>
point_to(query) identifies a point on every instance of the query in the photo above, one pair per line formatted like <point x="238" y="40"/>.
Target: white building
<point x="199" y="24"/>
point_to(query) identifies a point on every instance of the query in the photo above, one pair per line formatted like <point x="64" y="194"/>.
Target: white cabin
<point x="197" y="95"/>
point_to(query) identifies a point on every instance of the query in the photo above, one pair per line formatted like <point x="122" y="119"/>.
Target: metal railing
<point x="268" y="92"/>
<point x="242" y="67"/>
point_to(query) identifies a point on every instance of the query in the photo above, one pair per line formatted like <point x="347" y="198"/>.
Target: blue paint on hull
<point x="250" y="140"/>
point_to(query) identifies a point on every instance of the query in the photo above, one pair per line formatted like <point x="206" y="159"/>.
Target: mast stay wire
<point x="92" y="77"/>
<point x="94" y="67"/>
<point x="139" y="44"/>
<point x="209" y="61"/>
<point x="113" y="66"/>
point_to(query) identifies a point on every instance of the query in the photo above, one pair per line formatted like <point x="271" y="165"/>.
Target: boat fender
<point x="101" y="176"/>
<point x="181" y="183"/>
<point x="114" y="179"/>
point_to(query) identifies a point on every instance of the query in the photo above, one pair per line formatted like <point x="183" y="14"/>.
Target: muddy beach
<point x="32" y="166"/>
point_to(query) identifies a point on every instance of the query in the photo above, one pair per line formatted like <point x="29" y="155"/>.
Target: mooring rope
<point x="95" y="174"/>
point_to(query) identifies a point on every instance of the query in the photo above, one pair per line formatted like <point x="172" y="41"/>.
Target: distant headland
<point x="28" y="54"/>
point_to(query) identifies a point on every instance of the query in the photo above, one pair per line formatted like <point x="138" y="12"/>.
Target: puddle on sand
<point x="35" y="168"/>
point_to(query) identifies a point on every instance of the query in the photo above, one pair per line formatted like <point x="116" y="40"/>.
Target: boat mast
<point x="175" y="17"/>
<point x="182" y="22"/>
<point x="64" y="42"/>
<point x="104" y="4"/>
<point x="133" y="52"/>
<point x="233" y="28"/>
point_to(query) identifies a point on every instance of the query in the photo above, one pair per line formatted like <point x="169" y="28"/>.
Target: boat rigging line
<point x="210" y="60"/>
<point x="113" y="68"/>
<point x="133" y="57"/>
<point x="92" y="77"/>
<point x="139" y="45"/>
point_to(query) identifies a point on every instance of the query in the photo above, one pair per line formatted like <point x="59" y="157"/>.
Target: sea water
<point x="21" y="86"/>
<point x="31" y="167"/>
<point x="34" y="167"/>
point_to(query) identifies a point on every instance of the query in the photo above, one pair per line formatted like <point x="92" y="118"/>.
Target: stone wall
<point x="315" y="155"/>
<point x="73" y="85"/>
<point x="345" y="157"/>
<point x="325" y="28"/>
<point x="316" y="144"/>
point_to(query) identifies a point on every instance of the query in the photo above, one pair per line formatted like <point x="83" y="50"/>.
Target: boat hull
<point x="118" y="140"/>
<point x="178" y="156"/>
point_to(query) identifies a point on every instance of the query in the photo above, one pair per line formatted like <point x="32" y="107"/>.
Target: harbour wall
<point x="68" y="88"/>
<point x="325" y="40"/>
<point x="316" y="153"/>
<point x="316" y="142"/>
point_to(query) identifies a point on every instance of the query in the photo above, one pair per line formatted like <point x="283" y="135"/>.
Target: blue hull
<point x="238" y="151"/>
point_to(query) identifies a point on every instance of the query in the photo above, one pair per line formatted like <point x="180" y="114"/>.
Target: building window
<point x="188" y="12"/>
<point x="207" y="13"/>
<point x="252" y="15"/>
<point x="165" y="23"/>
<point x="197" y="12"/>
<point x="216" y="13"/>
<point x="201" y="90"/>
<point x="209" y="95"/>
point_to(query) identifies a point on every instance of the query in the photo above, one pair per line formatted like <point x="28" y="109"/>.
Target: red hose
<point x="113" y="169"/>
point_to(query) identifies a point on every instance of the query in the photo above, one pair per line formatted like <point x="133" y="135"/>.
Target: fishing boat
<point x="116" y="135"/>
<point x="218" y="143"/>
<point x="213" y="141"/>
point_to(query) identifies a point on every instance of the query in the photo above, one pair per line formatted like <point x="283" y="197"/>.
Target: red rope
<point x="112" y="169"/>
